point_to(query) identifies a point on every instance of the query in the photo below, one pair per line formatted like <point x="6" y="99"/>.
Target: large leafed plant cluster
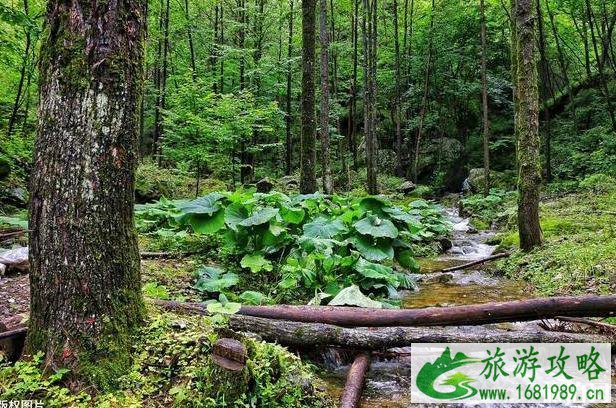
<point x="332" y="248"/>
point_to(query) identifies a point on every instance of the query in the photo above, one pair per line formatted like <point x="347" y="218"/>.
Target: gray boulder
<point x="406" y="188"/>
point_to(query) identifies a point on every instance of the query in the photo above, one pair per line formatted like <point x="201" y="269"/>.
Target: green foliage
<point x="598" y="183"/>
<point x="153" y="182"/>
<point x="307" y="243"/>
<point x="154" y="290"/>
<point x="484" y="210"/>
<point x="26" y="380"/>
<point x="211" y="279"/>
<point x="579" y="252"/>
<point x="172" y="367"/>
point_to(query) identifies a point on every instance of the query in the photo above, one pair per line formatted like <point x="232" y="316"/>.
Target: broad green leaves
<point x="376" y="227"/>
<point x="259" y="217"/>
<point x="352" y="296"/>
<point x="323" y="228"/>
<point x="308" y="244"/>
<point x="256" y="263"/>
<point x="211" y="279"/>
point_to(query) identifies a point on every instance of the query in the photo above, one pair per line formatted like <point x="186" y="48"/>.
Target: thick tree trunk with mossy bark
<point x="85" y="279"/>
<point x="308" y="182"/>
<point x="527" y="126"/>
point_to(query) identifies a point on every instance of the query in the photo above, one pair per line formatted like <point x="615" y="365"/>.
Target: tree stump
<point x="229" y="373"/>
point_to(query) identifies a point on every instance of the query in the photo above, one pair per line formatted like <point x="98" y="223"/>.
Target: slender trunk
<point x="85" y="290"/>
<point x="334" y="76"/>
<point x="546" y="92"/>
<point x="604" y="85"/>
<point x="221" y="43"/>
<point x="308" y="183"/>
<point x="484" y="103"/>
<point x="527" y="127"/>
<point x="162" y="83"/>
<point x="369" y="69"/>
<point x="288" y="116"/>
<point x="22" y="77"/>
<point x="353" y="102"/>
<point x="325" y="160"/>
<point x="191" y="46"/>
<point x="424" y="99"/>
<point x="397" y="98"/>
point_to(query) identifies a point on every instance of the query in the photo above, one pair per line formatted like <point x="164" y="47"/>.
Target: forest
<point x="264" y="203"/>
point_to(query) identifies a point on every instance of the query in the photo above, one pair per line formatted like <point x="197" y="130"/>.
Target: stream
<point x="388" y="381"/>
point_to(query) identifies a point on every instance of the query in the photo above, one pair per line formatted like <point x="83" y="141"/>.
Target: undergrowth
<point x="579" y="251"/>
<point x="172" y="367"/>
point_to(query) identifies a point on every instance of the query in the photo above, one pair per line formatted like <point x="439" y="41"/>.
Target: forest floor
<point x="578" y="257"/>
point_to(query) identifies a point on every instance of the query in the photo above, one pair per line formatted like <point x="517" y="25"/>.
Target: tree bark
<point x="351" y="394"/>
<point x="296" y="334"/>
<point x="162" y="83"/>
<point x="85" y="279"/>
<point x="484" y="103"/>
<point x="519" y="310"/>
<point x="308" y="182"/>
<point x="288" y="117"/>
<point x="369" y="34"/>
<point x="325" y="159"/>
<point x="527" y="127"/>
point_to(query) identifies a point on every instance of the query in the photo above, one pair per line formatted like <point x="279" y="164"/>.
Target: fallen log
<point x="477" y="262"/>
<point x="10" y="234"/>
<point x="355" y="381"/>
<point x="15" y="333"/>
<point x="478" y="314"/>
<point x="300" y="335"/>
<point x="603" y="327"/>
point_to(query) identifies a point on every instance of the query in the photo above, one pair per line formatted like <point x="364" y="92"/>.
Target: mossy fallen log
<point x="477" y="314"/>
<point x="300" y="335"/>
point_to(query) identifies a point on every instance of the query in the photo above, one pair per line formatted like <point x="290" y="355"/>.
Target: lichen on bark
<point x="85" y="279"/>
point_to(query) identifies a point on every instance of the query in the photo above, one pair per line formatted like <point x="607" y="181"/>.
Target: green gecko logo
<point x="430" y="372"/>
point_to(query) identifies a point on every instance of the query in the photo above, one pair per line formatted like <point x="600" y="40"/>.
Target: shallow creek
<point x="388" y="380"/>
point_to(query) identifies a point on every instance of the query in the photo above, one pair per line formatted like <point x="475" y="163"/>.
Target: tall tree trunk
<point x="191" y="46"/>
<point x="527" y="127"/>
<point x="84" y="262"/>
<point x="288" y="116"/>
<point x="162" y="83"/>
<point x="600" y="67"/>
<point x="22" y="76"/>
<point x="308" y="182"/>
<point x="325" y="160"/>
<point x="484" y="103"/>
<point x="369" y="69"/>
<point x="424" y="99"/>
<point x="334" y="76"/>
<point x="221" y="43"/>
<point x="353" y="100"/>
<point x="546" y="92"/>
<point x="397" y="97"/>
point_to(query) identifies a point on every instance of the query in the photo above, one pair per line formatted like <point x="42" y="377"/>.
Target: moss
<point x="170" y="366"/>
<point x="579" y="252"/>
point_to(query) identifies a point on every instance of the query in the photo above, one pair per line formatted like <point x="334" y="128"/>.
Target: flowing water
<point x="388" y="380"/>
